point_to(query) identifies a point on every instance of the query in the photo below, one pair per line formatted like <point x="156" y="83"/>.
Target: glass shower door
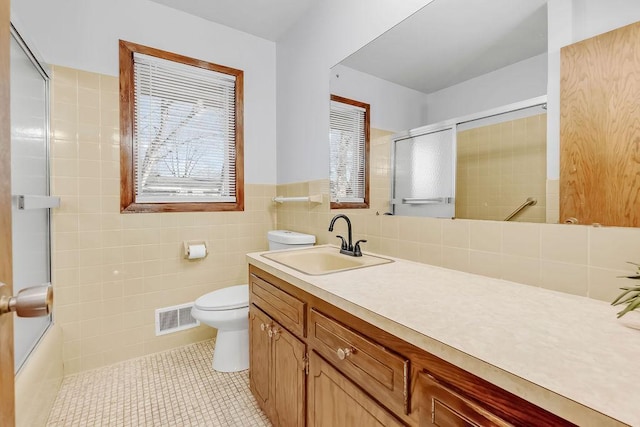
<point x="29" y="179"/>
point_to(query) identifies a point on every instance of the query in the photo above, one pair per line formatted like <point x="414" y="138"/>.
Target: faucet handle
<point x="344" y="245"/>
<point x="356" y="248"/>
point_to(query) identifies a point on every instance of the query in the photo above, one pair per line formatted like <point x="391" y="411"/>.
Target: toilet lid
<point x="224" y="299"/>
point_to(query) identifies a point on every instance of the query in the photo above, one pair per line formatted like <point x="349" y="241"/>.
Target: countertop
<point x="565" y="353"/>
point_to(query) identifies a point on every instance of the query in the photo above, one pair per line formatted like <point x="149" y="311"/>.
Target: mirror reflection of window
<point x="349" y="151"/>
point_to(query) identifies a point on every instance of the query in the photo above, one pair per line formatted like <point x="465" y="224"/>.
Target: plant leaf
<point x="627" y="300"/>
<point x="622" y="295"/>
<point x="632" y="306"/>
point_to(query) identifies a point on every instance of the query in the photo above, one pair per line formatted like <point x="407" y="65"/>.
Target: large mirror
<point x="474" y="76"/>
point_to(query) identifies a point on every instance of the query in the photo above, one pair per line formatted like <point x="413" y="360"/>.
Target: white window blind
<point x="183" y="133"/>
<point x="347" y="151"/>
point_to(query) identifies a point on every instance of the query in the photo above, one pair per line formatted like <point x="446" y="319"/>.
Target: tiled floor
<point x="174" y="388"/>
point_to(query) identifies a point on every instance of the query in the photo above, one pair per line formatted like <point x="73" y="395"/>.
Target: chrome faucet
<point x="347" y="248"/>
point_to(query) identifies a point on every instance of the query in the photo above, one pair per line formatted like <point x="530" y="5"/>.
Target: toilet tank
<point x="285" y="239"/>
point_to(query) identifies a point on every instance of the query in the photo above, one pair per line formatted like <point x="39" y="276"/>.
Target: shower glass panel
<point x="29" y="176"/>
<point x="424" y="174"/>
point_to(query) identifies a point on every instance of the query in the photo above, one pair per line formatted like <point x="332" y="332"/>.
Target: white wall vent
<point x="174" y="319"/>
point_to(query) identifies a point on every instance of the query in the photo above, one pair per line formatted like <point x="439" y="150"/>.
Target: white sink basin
<point x="323" y="260"/>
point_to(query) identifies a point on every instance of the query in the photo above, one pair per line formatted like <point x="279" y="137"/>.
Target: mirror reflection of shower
<point x="483" y="166"/>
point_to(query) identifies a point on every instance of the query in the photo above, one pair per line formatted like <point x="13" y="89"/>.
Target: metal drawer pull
<point x="344" y="353"/>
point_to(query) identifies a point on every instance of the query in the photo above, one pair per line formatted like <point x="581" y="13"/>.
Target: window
<point x="181" y="135"/>
<point x="349" y="151"/>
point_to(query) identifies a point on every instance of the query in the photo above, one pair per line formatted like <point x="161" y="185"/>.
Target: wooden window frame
<point x="127" y="111"/>
<point x="367" y="133"/>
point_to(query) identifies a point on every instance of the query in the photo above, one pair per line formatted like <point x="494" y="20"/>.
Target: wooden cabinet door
<point x="259" y="357"/>
<point x="441" y="406"/>
<point x="288" y="378"/>
<point x="335" y="401"/>
<point x="600" y="130"/>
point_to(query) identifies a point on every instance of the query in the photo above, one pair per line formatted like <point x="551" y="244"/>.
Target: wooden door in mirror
<point x="600" y="129"/>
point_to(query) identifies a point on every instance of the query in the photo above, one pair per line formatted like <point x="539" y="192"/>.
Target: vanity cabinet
<point x="336" y="401"/>
<point x="314" y="364"/>
<point x="277" y="358"/>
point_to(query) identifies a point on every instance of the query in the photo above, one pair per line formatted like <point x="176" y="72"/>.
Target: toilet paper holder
<point x="195" y="249"/>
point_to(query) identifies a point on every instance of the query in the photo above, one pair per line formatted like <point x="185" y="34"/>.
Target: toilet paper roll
<point x="197" y="251"/>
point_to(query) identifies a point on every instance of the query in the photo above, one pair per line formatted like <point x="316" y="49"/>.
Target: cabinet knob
<point x="571" y="220"/>
<point x="262" y="326"/>
<point x="344" y="353"/>
<point x="275" y="332"/>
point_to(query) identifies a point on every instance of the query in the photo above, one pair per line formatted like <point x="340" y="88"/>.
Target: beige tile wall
<point x="112" y="270"/>
<point x="577" y="259"/>
<point x="499" y="167"/>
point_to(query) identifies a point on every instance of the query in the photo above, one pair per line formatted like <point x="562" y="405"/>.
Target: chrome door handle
<point x="30" y="302"/>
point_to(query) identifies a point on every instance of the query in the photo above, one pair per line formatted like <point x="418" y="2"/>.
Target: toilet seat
<point x="230" y="298"/>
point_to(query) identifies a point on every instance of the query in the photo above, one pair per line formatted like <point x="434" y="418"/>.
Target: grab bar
<point x="529" y="202"/>
<point x="424" y="201"/>
<point x="313" y="199"/>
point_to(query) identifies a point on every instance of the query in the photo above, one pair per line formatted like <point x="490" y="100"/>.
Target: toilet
<point x="227" y="310"/>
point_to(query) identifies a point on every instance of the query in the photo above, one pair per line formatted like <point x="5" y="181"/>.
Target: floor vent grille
<point x="174" y="319"/>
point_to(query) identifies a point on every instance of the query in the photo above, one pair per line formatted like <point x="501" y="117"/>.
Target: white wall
<point x="331" y="30"/>
<point x="570" y="22"/>
<point x="83" y="34"/>
<point x="517" y="82"/>
<point x="393" y="107"/>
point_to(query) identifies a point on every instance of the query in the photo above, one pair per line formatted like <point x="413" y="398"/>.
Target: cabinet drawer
<point x="377" y="370"/>
<point x="282" y="307"/>
<point x="442" y="406"/>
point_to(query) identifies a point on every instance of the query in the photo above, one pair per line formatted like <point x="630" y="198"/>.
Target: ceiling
<point x="451" y="41"/>
<point x="268" y="19"/>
